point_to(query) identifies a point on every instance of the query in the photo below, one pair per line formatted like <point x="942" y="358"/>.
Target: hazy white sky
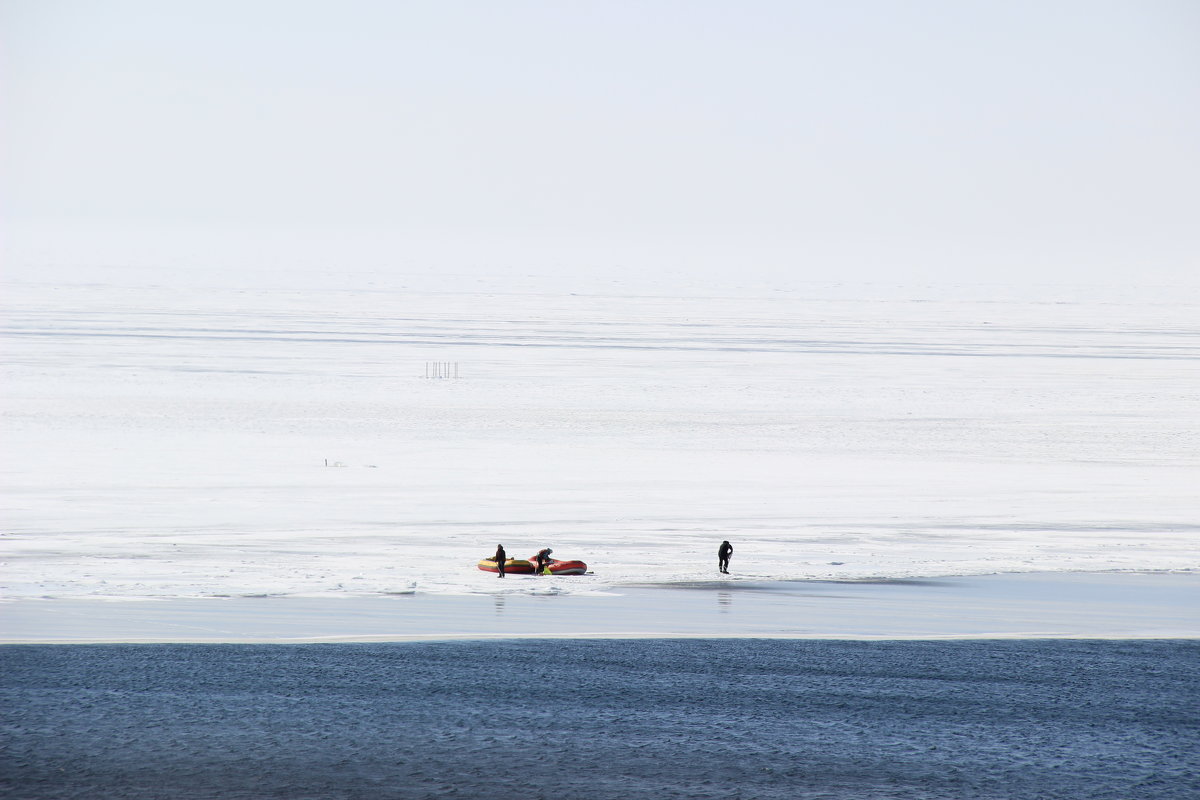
<point x="819" y="140"/>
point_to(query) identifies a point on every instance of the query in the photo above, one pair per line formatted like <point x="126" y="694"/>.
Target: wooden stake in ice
<point x="441" y="369"/>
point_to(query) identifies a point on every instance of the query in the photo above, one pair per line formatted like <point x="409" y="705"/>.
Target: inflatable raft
<point x="516" y="566"/>
<point x="557" y="567"/>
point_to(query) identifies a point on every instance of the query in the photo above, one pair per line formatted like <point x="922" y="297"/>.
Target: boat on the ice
<point x="516" y="566"/>
<point x="557" y="567"/>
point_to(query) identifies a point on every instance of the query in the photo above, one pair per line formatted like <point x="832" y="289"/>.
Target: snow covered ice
<point x="278" y="436"/>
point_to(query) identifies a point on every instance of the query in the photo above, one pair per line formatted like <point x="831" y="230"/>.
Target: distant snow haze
<point x="766" y="140"/>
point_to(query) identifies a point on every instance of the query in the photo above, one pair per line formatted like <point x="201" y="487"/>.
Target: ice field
<point x="279" y="435"/>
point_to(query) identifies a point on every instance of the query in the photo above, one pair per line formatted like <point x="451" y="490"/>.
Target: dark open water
<point x="596" y="719"/>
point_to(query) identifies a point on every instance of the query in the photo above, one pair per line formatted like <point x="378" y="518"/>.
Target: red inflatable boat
<point x="557" y="567"/>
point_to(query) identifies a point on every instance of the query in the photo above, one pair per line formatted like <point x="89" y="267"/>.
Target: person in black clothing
<point x="501" y="557"/>
<point x="542" y="558"/>
<point x="723" y="554"/>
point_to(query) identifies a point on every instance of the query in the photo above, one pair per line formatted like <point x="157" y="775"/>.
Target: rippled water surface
<point x="604" y="719"/>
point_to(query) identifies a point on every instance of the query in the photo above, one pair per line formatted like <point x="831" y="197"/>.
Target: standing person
<point x="501" y="557"/>
<point x="723" y="554"/>
<point x="542" y="558"/>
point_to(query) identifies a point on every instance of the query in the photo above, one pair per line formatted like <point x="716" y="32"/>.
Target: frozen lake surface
<point x="262" y="459"/>
<point x="259" y="435"/>
<point x="1044" y="605"/>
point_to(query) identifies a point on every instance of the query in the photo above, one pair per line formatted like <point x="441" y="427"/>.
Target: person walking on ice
<point x="723" y="554"/>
